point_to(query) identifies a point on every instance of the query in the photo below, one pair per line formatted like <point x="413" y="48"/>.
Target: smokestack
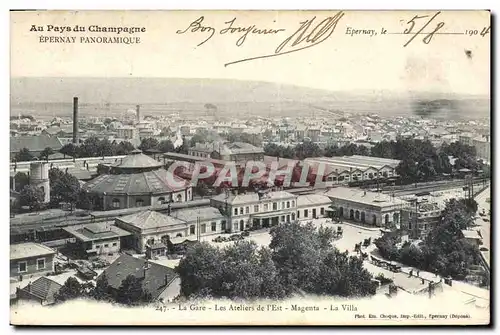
<point x="138" y="112"/>
<point x="75" y="120"/>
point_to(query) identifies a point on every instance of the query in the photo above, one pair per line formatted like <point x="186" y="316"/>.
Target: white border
<point x="199" y="4"/>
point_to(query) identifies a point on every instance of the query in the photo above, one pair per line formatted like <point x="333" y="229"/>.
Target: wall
<point x="100" y="246"/>
<point x="31" y="266"/>
<point x="370" y="212"/>
<point x="309" y="208"/>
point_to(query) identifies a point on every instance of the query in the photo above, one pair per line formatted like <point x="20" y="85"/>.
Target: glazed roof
<point x="155" y="182"/>
<point x="137" y="160"/>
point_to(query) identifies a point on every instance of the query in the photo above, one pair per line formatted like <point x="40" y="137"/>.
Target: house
<point x="472" y="236"/>
<point x="31" y="259"/>
<point x="312" y="206"/>
<point x="94" y="239"/>
<point x="42" y="290"/>
<point x="160" y="281"/>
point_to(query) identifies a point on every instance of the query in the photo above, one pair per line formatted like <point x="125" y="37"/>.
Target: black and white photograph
<point x="273" y="168"/>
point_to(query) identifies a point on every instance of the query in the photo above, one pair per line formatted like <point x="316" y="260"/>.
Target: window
<point x="409" y="225"/>
<point x="298" y="214"/>
<point x="139" y="203"/>
<point x="282" y="218"/>
<point x="203" y="228"/>
<point x="22" y="267"/>
<point x="40" y="263"/>
<point x="256" y="208"/>
<point x="293" y="216"/>
<point x="293" y="203"/>
<point x="106" y="245"/>
<point x="322" y="211"/>
<point x="236" y="211"/>
<point x="306" y="213"/>
<point x="283" y="205"/>
<point x="247" y="210"/>
<point x="115" y="244"/>
<point x="241" y="210"/>
<point x="266" y="207"/>
<point x="223" y="225"/>
<point x="214" y="226"/>
<point x="192" y="229"/>
<point x="235" y="225"/>
<point x="115" y="203"/>
<point x="161" y="200"/>
<point x="275" y="206"/>
<point x="288" y="204"/>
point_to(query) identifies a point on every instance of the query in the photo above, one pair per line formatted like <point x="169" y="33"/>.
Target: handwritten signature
<point x="309" y="34"/>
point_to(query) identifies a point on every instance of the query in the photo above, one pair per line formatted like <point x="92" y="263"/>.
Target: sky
<point x="342" y="62"/>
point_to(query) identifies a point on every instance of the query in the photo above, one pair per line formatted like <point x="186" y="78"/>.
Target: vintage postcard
<point x="250" y="167"/>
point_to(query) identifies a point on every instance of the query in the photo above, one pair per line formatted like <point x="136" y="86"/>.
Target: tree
<point x="102" y="290"/>
<point x="64" y="187"/>
<point x="166" y="146"/>
<point x="148" y="144"/>
<point x="131" y="292"/>
<point x="32" y="197"/>
<point x="68" y="149"/>
<point x="105" y="148"/>
<point x="72" y="289"/>
<point x="124" y="148"/>
<point x="307" y="149"/>
<point x="197" y="138"/>
<point x="46" y="153"/>
<point x="21" y="179"/>
<point x="24" y="155"/>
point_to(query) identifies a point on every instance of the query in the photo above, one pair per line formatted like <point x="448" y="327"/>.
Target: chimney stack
<point x="75" y="120"/>
<point x="138" y="112"/>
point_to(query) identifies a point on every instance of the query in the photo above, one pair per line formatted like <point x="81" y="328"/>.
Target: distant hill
<point x="229" y="96"/>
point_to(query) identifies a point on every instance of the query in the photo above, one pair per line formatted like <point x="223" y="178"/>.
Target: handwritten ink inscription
<point x="314" y="31"/>
<point x="310" y="33"/>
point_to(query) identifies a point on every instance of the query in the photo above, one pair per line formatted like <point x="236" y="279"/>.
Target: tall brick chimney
<point x="75" y="120"/>
<point x="138" y="112"/>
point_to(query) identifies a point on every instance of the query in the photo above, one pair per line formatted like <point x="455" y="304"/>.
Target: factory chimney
<point x="138" y="112"/>
<point x="75" y="120"/>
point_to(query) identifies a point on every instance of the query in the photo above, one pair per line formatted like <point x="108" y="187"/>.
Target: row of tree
<point x="300" y="259"/>
<point x="444" y="250"/>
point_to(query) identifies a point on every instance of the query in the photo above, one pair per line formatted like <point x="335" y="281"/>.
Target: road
<point x="483" y="226"/>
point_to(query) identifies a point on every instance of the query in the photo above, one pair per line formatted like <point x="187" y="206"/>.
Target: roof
<point x="241" y="199"/>
<point x="471" y="234"/>
<point x="34" y="143"/>
<point x="137" y="160"/>
<point x="95" y="231"/>
<point x="155" y="246"/>
<point x="226" y="148"/>
<point x="312" y="199"/>
<point x="364" y="197"/>
<point x="155" y="182"/>
<point x="153" y="278"/>
<point x="29" y="249"/>
<point x="191" y="214"/>
<point x="43" y="288"/>
<point x="151" y="220"/>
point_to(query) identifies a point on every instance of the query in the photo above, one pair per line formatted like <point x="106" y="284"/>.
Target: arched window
<point x="357" y="215"/>
<point x="179" y="198"/>
<point x="43" y="190"/>
<point x="351" y="214"/>
<point x="115" y="203"/>
<point x="384" y="174"/>
<point x="288" y="204"/>
<point x="370" y="175"/>
<point x="363" y="217"/>
<point x="165" y="238"/>
<point x="161" y="200"/>
<point x="293" y="203"/>
<point x="395" y="217"/>
<point x="178" y="235"/>
<point x="341" y="212"/>
<point x="151" y="241"/>
<point x="386" y="218"/>
<point x="139" y="203"/>
<point x="374" y="219"/>
<point x="293" y="216"/>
